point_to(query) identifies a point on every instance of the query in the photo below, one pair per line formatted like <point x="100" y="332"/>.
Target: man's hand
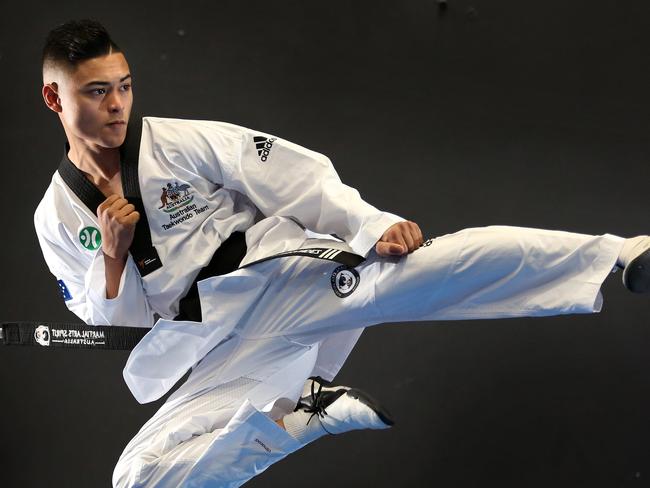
<point x="399" y="239"/>
<point x="117" y="219"/>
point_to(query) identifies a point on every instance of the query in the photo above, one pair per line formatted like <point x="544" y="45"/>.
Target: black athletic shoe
<point x="341" y="409"/>
<point x="636" y="275"/>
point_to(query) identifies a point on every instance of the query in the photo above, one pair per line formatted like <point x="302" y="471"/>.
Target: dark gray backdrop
<point x="499" y="112"/>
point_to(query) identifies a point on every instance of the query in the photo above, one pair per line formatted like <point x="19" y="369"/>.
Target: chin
<point x="114" y="142"/>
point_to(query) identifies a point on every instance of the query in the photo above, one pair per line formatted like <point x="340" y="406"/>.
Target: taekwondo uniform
<point x="266" y="327"/>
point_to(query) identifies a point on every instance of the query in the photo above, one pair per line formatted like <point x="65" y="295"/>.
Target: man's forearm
<point x="117" y="219"/>
<point x="113" y="267"/>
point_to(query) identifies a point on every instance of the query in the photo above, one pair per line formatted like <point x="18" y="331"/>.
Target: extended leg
<point x="476" y="273"/>
<point x="499" y="272"/>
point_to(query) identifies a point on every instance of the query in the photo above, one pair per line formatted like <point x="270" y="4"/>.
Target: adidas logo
<point x="330" y="253"/>
<point x="263" y="146"/>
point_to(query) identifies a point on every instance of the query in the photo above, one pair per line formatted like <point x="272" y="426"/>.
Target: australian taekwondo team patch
<point x="90" y="238"/>
<point x="344" y="280"/>
<point x="177" y="202"/>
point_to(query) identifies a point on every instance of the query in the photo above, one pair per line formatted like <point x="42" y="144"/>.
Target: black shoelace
<point x="319" y="400"/>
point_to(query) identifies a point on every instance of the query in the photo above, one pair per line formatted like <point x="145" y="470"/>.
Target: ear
<point x="51" y="97"/>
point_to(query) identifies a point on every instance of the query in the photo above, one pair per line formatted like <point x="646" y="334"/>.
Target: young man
<point x="258" y="268"/>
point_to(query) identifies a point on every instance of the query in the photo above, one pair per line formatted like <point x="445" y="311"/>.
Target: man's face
<point x="96" y="100"/>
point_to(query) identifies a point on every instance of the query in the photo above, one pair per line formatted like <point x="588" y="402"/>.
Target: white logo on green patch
<point x="90" y="238"/>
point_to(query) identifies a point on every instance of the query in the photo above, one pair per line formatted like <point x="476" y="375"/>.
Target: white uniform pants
<point x="208" y="434"/>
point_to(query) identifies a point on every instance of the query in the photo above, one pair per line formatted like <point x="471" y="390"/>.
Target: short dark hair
<point x="75" y="41"/>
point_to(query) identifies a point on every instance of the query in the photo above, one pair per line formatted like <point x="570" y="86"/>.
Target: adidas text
<point x="264" y="146"/>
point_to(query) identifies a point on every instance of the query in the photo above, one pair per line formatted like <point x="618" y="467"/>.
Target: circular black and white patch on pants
<point x="344" y="280"/>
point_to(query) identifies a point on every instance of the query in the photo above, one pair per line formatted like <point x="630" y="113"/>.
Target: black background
<point x="498" y="112"/>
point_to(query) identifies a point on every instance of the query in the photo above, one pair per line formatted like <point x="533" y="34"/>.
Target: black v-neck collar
<point x="81" y="186"/>
<point x="143" y="252"/>
<point x="87" y="192"/>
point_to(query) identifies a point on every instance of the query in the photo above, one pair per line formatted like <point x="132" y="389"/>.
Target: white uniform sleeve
<point x="296" y="182"/>
<point x="84" y="288"/>
<point x="279" y="177"/>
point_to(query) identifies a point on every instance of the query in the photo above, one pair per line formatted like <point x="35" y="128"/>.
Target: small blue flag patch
<point x="65" y="293"/>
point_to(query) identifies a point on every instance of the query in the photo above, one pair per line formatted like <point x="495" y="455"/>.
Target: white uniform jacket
<point x="200" y="181"/>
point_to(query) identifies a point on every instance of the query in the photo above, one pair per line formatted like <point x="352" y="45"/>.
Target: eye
<point x="98" y="91"/>
<point x="126" y="87"/>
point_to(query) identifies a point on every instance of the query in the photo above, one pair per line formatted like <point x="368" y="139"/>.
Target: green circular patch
<point x="90" y="238"/>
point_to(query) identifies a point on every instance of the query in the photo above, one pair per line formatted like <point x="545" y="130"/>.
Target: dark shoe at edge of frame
<point x="636" y="275"/>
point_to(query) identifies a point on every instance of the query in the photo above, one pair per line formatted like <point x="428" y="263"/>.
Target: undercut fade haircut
<point x="75" y="41"/>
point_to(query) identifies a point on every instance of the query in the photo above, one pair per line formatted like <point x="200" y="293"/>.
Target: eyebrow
<point x="104" y="83"/>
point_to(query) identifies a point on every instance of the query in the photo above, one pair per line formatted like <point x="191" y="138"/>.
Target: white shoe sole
<point x="383" y="414"/>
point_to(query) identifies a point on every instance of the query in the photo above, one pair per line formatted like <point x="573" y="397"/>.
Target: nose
<point x="115" y="104"/>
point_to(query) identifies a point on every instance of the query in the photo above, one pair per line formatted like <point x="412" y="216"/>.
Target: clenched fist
<point x="117" y="219"/>
<point x="400" y="238"/>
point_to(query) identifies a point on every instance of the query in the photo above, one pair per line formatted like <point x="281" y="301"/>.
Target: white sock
<point x="631" y="249"/>
<point x="296" y="425"/>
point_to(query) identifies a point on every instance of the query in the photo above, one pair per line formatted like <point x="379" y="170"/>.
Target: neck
<point x="100" y="164"/>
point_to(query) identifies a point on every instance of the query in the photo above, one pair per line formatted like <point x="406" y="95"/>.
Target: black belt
<point x="79" y="336"/>
<point x="225" y="260"/>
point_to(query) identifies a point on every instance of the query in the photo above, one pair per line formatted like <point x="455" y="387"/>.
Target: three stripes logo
<point x="263" y="146"/>
<point x="329" y="253"/>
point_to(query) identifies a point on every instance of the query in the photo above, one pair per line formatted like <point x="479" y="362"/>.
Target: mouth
<point x="117" y="122"/>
